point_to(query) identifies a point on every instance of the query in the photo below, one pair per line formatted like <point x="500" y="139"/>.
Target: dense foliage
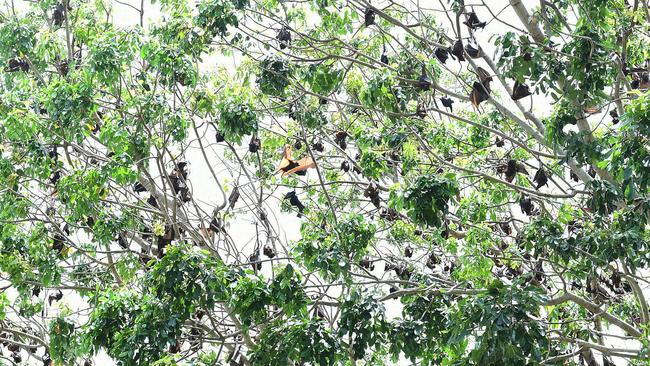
<point x="324" y="182"/>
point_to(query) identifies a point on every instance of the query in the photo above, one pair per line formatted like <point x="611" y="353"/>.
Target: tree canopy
<point x="325" y="182"/>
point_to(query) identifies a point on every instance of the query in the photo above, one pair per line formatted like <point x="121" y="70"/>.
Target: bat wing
<point x="303" y="164"/>
<point x="286" y="159"/>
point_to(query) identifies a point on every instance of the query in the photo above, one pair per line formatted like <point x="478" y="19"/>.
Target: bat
<point x="513" y="168"/>
<point x="473" y="22"/>
<point x="345" y="166"/>
<point x="447" y="103"/>
<point x="269" y="251"/>
<point x="284" y="37"/>
<point x="58" y="16"/>
<point x="408" y="251"/>
<point x="479" y="94"/>
<point x="484" y="77"/>
<point x="526" y="205"/>
<point x="254" y="259"/>
<point x="499" y="142"/>
<point x="372" y="192"/>
<point x="288" y="165"/>
<point x="421" y="110"/>
<point x="254" y="144"/>
<point x="318" y="146"/>
<point x="234" y="196"/>
<point x="472" y="51"/>
<point x="457" y="50"/>
<point x="367" y="264"/>
<point x="340" y="139"/>
<point x="220" y="137"/>
<point x="441" y="54"/>
<point x="369" y="17"/>
<point x="424" y="83"/>
<point x="139" y="188"/>
<point x="384" y="57"/>
<point x="433" y="261"/>
<point x="295" y="202"/>
<point x="614" y="116"/>
<point x="541" y="178"/>
<point x="520" y="91"/>
<point x="17" y="64"/>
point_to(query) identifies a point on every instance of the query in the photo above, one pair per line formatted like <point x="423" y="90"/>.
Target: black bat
<point x="447" y="103"/>
<point x="234" y="196"/>
<point x="318" y="146"/>
<point x="17" y="64"/>
<point x="513" y="168"/>
<point x="254" y="259"/>
<point x="220" y="137"/>
<point x="432" y="261"/>
<point x="139" y="188"/>
<point x="58" y="16"/>
<point x="369" y="17"/>
<point x="384" y="57"/>
<point x="541" y="178"/>
<point x="472" y="51"/>
<point x="457" y="50"/>
<point x="254" y="144"/>
<point x="340" y="139"/>
<point x="284" y="37"/>
<point x="345" y="166"/>
<point x="520" y="91"/>
<point x="408" y="251"/>
<point x="372" y="192"/>
<point x="574" y="176"/>
<point x="479" y="94"/>
<point x="295" y="202"/>
<point x="614" y="116"/>
<point x="441" y="54"/>
<point x="269" y="251"/>
<point x="473" y="22"/>
<point x="499" y="142"/>
<point x="526" y="205"/>
<point x="424" y="83"/>
<point x="421" y="110"/>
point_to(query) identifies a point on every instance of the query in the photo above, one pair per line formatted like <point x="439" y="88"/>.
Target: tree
<point x="325" y="182"/>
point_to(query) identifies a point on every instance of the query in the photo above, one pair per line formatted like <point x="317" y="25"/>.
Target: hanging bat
<point x="520" y="91"/>
<point x="408" y="251"/>
<point x="295" y="202"/>
<point x="58" y="15"/>
<point x="318" y="146"/>
<point x="269" y="251"/>
<point x="499" y="142"/>
<point x="472" y="51"/>
<point x="441" y="54"/>
<point x="384" y="57"/>
<point x="421" y="110"/>
<point x="526" y="205"/>
<point x="17" y="64"/>
<point x="288" y="165"/>
<point x="284" y="37"/>
<point x="513" y="168"/>
<point x="345" y="166"/>
<point x="369" y="17"/>
<point x="234" y="196"/>
<point x="457" y="50"/>
<point x="614" y="116"/>
<point x="541" y="178"/>
<point x="372" y="192"/>
<point x="254" y="144"/>
<point x="479" y="94"/>
<point x="447" y="103"/>
<point x="424" y="83"/>
<point x="340" y="139"/>
<point x="473" y="22"/>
